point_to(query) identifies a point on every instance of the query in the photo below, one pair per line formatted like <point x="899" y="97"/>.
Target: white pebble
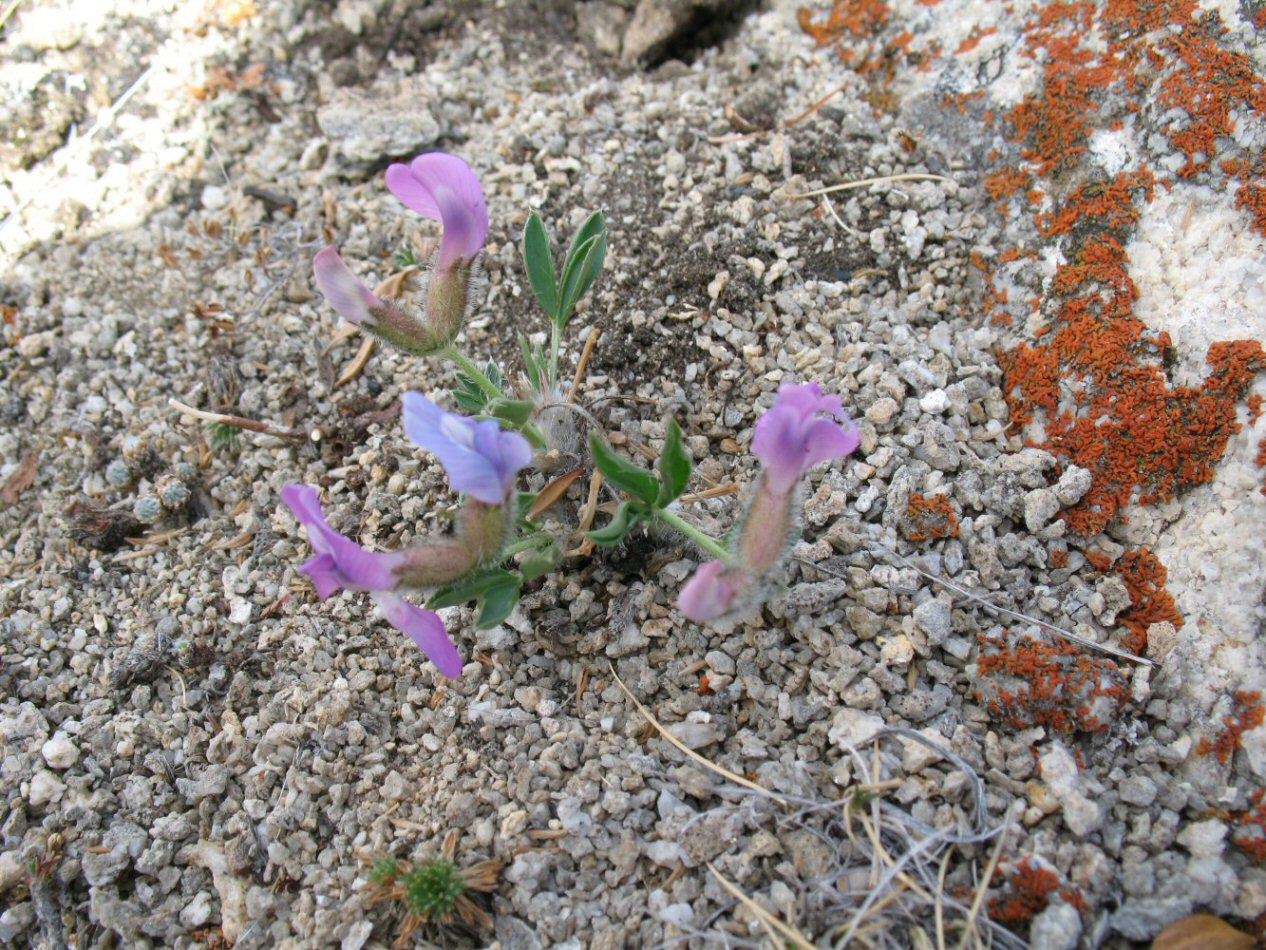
<point x="59" y="752"/>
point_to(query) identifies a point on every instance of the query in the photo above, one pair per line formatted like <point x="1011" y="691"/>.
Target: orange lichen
<point x="1027" y="891"/>
<point x="929" y="517"/>
<point x="1144" y="576"/>
<point x="1250" y="835"/>
<point x="1004" y="183"/>
<point x="1247" y="713"/>
<point x="973" y="39"/>
<point x="1098" y="379"/>
<point x="858" y="18"/>
<point x="1254" y="404"/>
<point x="1055" y="685"/>
<point x="1059" y="558"/>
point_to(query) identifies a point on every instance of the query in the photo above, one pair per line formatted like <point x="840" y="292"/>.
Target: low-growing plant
<point x="499" y="546"/>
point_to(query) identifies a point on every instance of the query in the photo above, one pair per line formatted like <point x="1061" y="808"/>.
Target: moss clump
<point x="433" y="887"/>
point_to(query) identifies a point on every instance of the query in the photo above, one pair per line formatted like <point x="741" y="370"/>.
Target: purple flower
<point x="480" y="458"/>
<point x="341" y="562"/>
<point x="712" y="591"/>
<point x="425" y="628"/>
<point x="443" y="187"/>
<point x="792" y="437"/>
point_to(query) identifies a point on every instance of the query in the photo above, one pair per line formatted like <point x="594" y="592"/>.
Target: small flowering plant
<point x="498" y="547"/>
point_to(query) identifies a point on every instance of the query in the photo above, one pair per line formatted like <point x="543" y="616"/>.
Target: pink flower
<point x="793" y="437"/>
<point x="444" y="188"/>
<point x="712" y="592"/>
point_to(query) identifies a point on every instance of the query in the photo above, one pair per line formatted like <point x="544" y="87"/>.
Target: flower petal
<point x="442" y="186"/>
<point x="412" y="193"/>
<point x="426" y="629"/>
<point x="340" y="562"/>
<point x="353" y="301"/>
<point x="792" y="437"/>
<point x="479" y="458"/>
<point x="709" y="594"/>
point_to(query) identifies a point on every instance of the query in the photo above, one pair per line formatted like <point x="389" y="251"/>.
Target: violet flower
<point x="353" y="301"/>
<point x="802" y="429"/>
<point x="341" y="562"/>
<point x="444" y="188"/>
<point x="793" y="437"/>
<point x="480" y="458"/>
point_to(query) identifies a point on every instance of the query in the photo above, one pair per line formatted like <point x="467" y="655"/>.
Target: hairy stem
<point x="706" y="542"/>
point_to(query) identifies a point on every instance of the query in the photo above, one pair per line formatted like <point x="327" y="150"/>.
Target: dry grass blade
<point x="587" y="514"/>
<point x="865" y="183"/>
<point x="239" y="422"/>
<point x="716" y="491"/>
<point x="793" y="936"/>
<point x="551" y="493"/>
<point x="21" y="478"/>
<point x="723" y="139"/>
<point x="357" y="365"/>
<point x="344" y="333"/>
<point x="978" y="900"/>
<point x="940" y="899"/>
<point x="1015" y="615"/>
<point x="590" y="342"/>
<point x="691" y="753"/>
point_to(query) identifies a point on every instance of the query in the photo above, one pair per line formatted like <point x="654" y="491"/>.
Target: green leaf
<point x="468" y="395"/>
<point x="497" y="603"/>
<point x="471" y="587"/>
<point x="540" y="562"/>
<point x="674" y="467"/>
<point x="625" y="476"/>
<point x="516" y="412"/>
<point x="579" y="274"/>
<point x="594" y="226"/>
<point x="523" y="504"/>
<point x="538" y="259"/>
<point x="406" y="256"/>
<point x="494" y="375"/>
<point x="495" y="593"/>
<point x="627" y="517"/>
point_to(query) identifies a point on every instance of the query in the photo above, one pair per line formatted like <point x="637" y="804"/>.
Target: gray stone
<point x="1056" y="928"/>
<point x="122" y="843"/>
<point x="1073" y="485"/>
<point x="600" y="25"/>
<point x="1137" y="790"/>
<point x="1040" y="506"/>
<point x="366" y="125"/>
<point x="852" y="728"/>
<point x="59" y="752"/>
<point x="656" y="23"/>
<point x="933" y="617"/>
<point x="514" y="934"/>
<point x="1144" y="919"/>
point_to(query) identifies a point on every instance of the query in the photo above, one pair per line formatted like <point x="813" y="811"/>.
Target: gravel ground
<point x="196" y="753"/>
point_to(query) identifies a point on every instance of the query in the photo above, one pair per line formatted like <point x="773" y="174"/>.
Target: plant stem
<point x="555" y="343"/>
<point x="469" y="367"/>
<point x="706" y="542"/>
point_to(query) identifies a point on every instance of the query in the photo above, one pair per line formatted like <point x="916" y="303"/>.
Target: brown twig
<point x="239" y="422"/>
